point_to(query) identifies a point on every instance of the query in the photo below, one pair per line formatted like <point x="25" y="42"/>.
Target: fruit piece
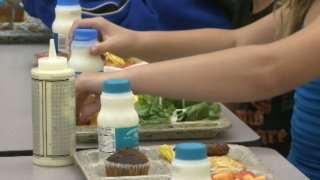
<point x="225" y="174"/>
<point x="248" y="177"/>
<point x="222" y="176"/>
<point x="260" y="178"/>
<point x="136" y="98"/>
<point x="240" y="175"/>
<point x="166" y="152"/>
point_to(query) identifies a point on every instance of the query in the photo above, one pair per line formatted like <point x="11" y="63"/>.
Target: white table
<point x="16" y="62"/>
<point x="13" y="168"/>
<point x="21" y="168"/>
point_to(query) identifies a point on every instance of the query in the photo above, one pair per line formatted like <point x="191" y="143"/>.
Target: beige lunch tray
<point x="160" y="169"/>
<point x="175" y="131"/>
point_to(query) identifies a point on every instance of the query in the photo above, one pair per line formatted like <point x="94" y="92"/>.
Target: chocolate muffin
<point x="127" y="162"/>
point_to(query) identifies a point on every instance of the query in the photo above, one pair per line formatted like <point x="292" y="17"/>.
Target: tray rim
<point x="89" y="131"/>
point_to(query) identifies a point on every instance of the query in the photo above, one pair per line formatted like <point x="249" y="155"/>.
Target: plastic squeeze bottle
<point x="118" y="121"/>
<point x="66" y="11"/>
<point x="80" y="59"/>
<point x="53" y="111"/>
<point x="190" y="162"/>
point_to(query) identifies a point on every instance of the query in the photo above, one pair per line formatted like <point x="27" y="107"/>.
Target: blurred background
<point x="16" y="26"/>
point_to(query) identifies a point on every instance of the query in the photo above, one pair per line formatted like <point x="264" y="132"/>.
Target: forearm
<point x="155" y="46"/>
<point x="204" y="77"/>
<point x="232" y="75"/>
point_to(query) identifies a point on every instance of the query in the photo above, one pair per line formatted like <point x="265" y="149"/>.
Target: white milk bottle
<point x="191" y="162"/>
<point x="66" y="11"/>
<point x="53" y="111"/>
<point x="118" y="121"/>
<point x="80" y="59"/>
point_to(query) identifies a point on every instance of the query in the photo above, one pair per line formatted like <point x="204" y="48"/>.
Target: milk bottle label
<point x="113" y="139"/>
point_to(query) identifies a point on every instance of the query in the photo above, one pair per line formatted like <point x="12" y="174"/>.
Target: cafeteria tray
<point x="174" y="131"/>
<point x="160" y="169"/>
<point x="93" y="167"/>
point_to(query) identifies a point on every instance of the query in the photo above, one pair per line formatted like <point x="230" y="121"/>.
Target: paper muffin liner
<point x="118" y="169"/>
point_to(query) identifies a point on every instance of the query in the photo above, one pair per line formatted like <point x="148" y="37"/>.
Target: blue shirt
<point x="305" y="129"/>
<point x="143" y="14"/>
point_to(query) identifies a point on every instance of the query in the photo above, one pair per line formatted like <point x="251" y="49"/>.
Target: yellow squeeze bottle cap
<point x="52" y="62"/>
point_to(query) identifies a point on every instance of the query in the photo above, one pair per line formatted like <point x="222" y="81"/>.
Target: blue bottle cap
<point x="67" y="2"/>
<point x="85" y="35"/>
<point x="191" y="151"/>
<point x="116" y="86"/>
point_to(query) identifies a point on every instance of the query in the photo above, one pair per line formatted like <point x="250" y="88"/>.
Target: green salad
<point x="158" y="110"/>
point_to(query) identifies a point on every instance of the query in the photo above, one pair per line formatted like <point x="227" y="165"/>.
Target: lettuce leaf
<point x="158" y="110"/>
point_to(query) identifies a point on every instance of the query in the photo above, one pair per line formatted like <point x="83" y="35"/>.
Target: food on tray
<point x="228" y="174"/>
<point x="225" y="161"/>
<point x="158" y="110"/>
<point x="224" y="174"/>
<point x="166" y="152"/>
<point x="217" y="149"/>
<point x="154" y="110"/>
<point x="116" y="61"/>
<point x="127" y="162"/>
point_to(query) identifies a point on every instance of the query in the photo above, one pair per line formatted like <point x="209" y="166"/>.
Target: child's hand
<point x="113" y="38"/>
<point x="87" y="98"/>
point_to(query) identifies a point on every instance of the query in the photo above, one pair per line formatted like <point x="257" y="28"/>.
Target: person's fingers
<point x="81" y="95"/>
<point x="89" y="109"/>
<point x="109" y="44"/>
<point x="79" y="104"/>
<point x="39" y="55"/>
<point x="87" y="96"/>
<point x="99" y="48"/>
